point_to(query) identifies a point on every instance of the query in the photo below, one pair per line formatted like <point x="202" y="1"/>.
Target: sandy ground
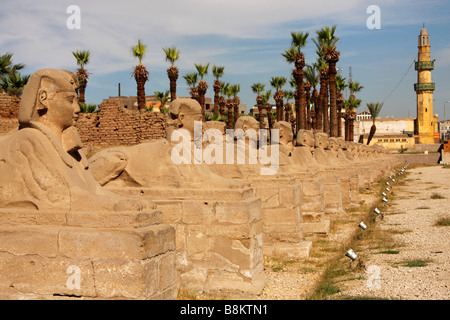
<point x="410" y="219"/>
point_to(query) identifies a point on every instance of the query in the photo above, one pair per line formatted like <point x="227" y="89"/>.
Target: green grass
<point x="390" y="252"/>
<point x="416" y="263"/>
<point x="437" y="196"/>
<point x="443" y="222"/>
<point x="423" y="207"/>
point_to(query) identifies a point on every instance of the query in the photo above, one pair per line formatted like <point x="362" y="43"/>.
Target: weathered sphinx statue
<point x="42" y="165"/>
<point x="175" y="161"/>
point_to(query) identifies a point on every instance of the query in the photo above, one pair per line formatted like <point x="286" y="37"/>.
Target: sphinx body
<point x="42" y="165"/>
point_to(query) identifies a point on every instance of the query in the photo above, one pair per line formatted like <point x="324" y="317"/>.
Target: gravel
<point x="413" y="218"/>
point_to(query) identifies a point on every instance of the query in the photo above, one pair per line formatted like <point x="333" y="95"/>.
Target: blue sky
<point x="245" y="36"/>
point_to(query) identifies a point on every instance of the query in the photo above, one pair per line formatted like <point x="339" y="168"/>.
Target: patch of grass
<point x="400" y="231"/>
<point x="437" y="196"/>
<point x="416" y="263"/>
<point x="423" y="207"/>
<point x="390" y="252"/>
<point x="443" y="222"/>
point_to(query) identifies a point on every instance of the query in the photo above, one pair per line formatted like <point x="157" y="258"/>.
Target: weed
<point x="416" y="263"/>
<point x="437" y="196"/>
<point x="443" y="222"/>
<point x="390" y="252"/>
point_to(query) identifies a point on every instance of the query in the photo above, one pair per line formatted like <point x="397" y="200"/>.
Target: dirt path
<point x="407" y="256"/>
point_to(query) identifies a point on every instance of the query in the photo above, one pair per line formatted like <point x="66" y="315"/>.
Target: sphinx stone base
<point x="219" y="242"/>
<point x="281" y="210"/>
<point x="86" y="255"/>
<point x="320" y="227"/>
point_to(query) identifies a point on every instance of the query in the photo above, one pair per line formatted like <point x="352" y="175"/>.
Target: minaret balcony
<point x="424" y="65"/>
<point x="424" y="86"/>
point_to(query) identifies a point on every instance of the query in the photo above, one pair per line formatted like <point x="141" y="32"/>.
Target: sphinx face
<point x="333" y="144"/>
<point x="321" y="140"/>
<point x="341" y="142"/>
<point x="305" y="139"/>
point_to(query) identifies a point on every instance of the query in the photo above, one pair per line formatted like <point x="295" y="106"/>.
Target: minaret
<point x="424" y="88"/>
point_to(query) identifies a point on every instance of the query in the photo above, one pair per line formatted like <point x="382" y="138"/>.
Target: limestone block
<point x="29" y="240"/>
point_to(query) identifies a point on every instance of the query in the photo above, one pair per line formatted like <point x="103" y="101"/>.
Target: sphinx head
<point x="321" y="140"/>
<point x="305" y="138"/>
<point x="50" y="98"/>
<point x="333" y="144"/>
<point x="183" y="112"/>
<point x="286" y="134"/>
<point x="245" y="124"/>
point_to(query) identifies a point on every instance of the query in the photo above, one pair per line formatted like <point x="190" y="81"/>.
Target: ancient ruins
<point x="150" y="214"/>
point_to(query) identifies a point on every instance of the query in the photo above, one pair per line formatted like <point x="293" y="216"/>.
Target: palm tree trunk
<point x="230" y="114"/>
<point x="216" y="87"/>
<point x="373" y="129"/>
<point x="287" y="112"/>
<point x="222" y="103"/>
<point x="236" y="103"/>
<point x="259" y="101"/>
<point x="299" y="61"/>
<point x="172" y="73"/>
<point x="82" y="90"/>
<point x="322" y="98"/>
<point x="141" y="76"/>
<point x="325" y="109"/>
<point x="340" y="103"/>
<point x="307" y="103"/>
<point x="333" y="105"/>
<point x="141" y="94"/>
<point x="201" y="89"/>
<point x="316" y="109"/>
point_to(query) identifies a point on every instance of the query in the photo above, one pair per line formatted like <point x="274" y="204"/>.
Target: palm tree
<point x="82" y="58"/>
<point x="322" y="123"/>
<point x="354" y="86"/>
<point x="258" y="88"/>
<point x="140" y="73"/>
<point x="6" y="65"/>
<point x="295" y="55"/>
<point x="350" y="105"/>
<point x="288" y="94"/>
<point x="163" y="98"/>
<point x="326" y="46"/>
<point x="172" y="55"/>
<point x="217" y="73"/>
<point x="234" y="90"/>
<point x="340" y="87"/>
<point x="202" y="85"/>
<point x="222" y="101"/>
<point x="313" y="79"/>
<point x="277" y="83"/>
<point x="11" y="81"/>
<point x="14" y="83"/>
<point x="226" y="90"/>
<point x="374" y="109"/>
<point x="191" y="81"/>
<point x="266" y="97"/>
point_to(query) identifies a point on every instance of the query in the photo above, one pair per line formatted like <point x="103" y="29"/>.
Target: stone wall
<point x="64" y="255"/>
<point x="114" y="125"/>
<point x="9" y="110"/>
<point x="9" y="106"/>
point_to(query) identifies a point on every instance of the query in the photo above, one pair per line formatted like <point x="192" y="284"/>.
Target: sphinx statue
<point x="167" y="162"/>
<point x="42" y="165"/>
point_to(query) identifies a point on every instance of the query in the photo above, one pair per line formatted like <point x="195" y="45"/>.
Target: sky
<point x="247" y="37"/>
